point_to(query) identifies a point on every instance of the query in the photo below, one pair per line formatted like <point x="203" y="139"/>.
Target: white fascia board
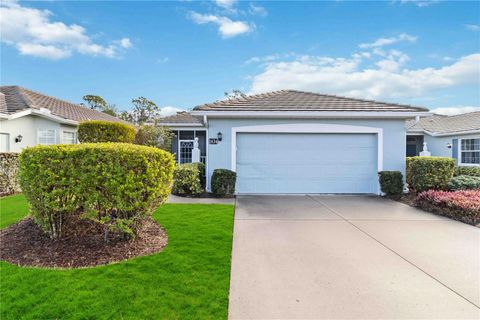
<point x="43" y="114"/>
<point x="180" y="124"/>
<point x="457" y="133"/>
<point x="311" y="114"/>
<point x="442" y="134"/>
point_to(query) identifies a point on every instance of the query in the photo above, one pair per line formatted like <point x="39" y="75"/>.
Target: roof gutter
<point x="175" y="124"/>
<point x="311" y="114"/>
<point x="444" y="134"/>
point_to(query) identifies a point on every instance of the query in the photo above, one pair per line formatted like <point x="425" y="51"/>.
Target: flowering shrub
<point x="461" y="205"/>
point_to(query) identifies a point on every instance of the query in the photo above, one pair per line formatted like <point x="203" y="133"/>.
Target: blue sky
<point x="185" y="53"/>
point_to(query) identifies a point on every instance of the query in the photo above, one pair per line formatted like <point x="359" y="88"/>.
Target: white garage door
<point x="306" y="163"/>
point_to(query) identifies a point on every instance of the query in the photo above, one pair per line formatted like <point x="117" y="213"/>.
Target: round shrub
<point x="391" y="182"/>
<point x="467" y="171"/>
<point x="464" y="183"/>
<point x="223" y="182"/>
<point x="424" y="173"/>
<point x="187" y="179"/>
<point x="116" y="184"/>
<point x="105" y="131"/>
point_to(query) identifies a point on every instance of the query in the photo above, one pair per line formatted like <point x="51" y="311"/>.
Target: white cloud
<point x="472" y="27"/>
<point x="38" y="50"/>
<point x="168" y="111"/>
<point x="450" y="111"/>
<point x="125" y="43"/>
<point x="403" y="37"/>
<point x="226" y="4"/>
<point x="257" y="10"/>
<point x="388" y="78"/>
<point x="420" y="3"/>
<point x="226" y="27"/>
<point x="32" y="32"/>
<point x="162" y="60"/>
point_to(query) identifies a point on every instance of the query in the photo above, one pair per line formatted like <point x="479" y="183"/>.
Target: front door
<point x="185" y="152"/>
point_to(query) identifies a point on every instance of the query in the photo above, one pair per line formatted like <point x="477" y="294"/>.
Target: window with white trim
<point x="470" y="151"/>
<point x="47" y="136"/>
<point x="69" y="137"/>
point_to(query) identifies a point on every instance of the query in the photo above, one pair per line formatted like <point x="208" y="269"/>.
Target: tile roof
<point x="445" y="124"/>
<point x="14" y="99"/>
<point x="181" y="117"/>
<point x="293" y="100"/>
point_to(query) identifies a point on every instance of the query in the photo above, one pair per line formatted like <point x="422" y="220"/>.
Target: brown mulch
<point x="25" y="244"/>
<point x="408" y="198"/>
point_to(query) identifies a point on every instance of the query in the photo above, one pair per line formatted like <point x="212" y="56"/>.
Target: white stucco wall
<point x="28" y="127"/>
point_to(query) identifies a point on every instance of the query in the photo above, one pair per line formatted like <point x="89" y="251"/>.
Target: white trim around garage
<point x="307" y="128"/>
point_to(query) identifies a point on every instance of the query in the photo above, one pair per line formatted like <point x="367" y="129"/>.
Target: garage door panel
<point x="306" y="163"/>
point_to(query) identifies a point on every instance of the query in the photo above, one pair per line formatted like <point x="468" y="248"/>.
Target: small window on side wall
<point x="47" y="136"/>
<point x="69" y="137"/>
<point x="470" y="152"/>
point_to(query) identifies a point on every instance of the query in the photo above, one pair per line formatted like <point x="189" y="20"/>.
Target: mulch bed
<point x="25" y="244"/>
<point x="408" y="198"/>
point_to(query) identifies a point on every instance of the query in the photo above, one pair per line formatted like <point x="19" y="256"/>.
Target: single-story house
<point x="288" y="142"/>
<point x="456" y="136"/>
<point x="28" y="118"/>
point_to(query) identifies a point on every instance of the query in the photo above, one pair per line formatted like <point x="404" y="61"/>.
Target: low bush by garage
<point x="115" y="184"/>
<point x="459" y="205"/>
<point x="424" y="173"/>
<point x="391" y="183"/>
<point x="187" y="179"/>
<point x="223" y="183"/>
<point x="105" y="131"/>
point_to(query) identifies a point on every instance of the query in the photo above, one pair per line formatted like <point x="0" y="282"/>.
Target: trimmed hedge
<point x="391" y="182"/>
<point x="424" y="173"/>
<point x="116" y="184"/>
<point x="459" y="205"/>
<point x="105" y="131"/>
<point x="467" y="171"/>
<point x="223" y="182"/>
<point x="187" y="179"/>
<point x="464" y="183"/>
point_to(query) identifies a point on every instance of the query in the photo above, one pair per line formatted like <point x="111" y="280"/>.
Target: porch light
<point x="449" y="145"/>
<point x="219" y="136"/>
<point x="18" y="138"/>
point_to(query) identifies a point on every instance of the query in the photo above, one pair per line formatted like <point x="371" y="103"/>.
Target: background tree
<point x="144" y="110"/>
<point x="154" y="136"/>
<point x="234" y="94"/>
<point x="99" y="104"/>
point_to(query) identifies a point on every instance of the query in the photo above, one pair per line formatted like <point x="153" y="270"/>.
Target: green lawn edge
<point x="189" y="279"/>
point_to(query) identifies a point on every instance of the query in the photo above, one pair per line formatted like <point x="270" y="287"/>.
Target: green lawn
<point x="188" y="280"/>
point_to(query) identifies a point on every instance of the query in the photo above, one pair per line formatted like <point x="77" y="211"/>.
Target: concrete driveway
<point x="356" y="257"/>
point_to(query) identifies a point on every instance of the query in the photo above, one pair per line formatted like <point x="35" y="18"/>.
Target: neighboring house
<point x="28" y="118"/>
<point x="456" y="136"/>
<point x="288" y="142"/>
